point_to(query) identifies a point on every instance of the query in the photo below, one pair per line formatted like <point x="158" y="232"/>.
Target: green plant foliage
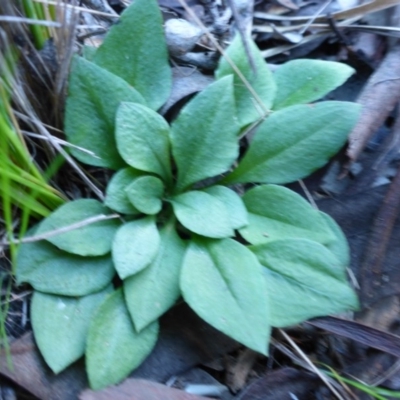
<point x="312" y="130"/>
<point x="303" y="280"/>
<point x="206" y="146"/>
<point x="142" y="139"/>
<point x="245" y="258"/>
<point x="93" y="239"/>
<point x="202" y="213"/>
<point x="276" y="212"/>
<point x="114" y="348"/>
<point x="94" y="95"/>
<point x="339" y="247"/>
<point x="116" y="196"/>
<point x="145" y="193"/>
<point x="226" y="266"/>
<point x="304" y="81"/>
<point x="233" y="205"/>
<point x="262" y="81"/>
<point x="135" y="50"/>
<point x="51" y="270"/>
<point x="61" y="324"/>
<point x="155" y="289"/>
<point x="135" y="246"/>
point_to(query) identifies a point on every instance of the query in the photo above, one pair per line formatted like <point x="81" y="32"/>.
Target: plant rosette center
<point x="243" y="262"/>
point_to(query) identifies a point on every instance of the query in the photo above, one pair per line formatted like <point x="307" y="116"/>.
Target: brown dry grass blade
<point x="378" y="99"/>
<point x="366" y="335"/>
<point x="138" y="389"/>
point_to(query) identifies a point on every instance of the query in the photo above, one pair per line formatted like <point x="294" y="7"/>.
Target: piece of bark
<point x="138" y="389"/>
<point x="371" y="268"/>
<point x="378" y="99"/>
<point x="29" y="370"/>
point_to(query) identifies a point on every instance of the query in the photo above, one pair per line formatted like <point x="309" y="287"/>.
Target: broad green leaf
<point x="135" y="246"/>
<point x="204" y="136"/>
<point x="91" y="239"/>
<point x="233" y="203"/>
<point x="60" y="325"/>
<point x="145" y="193"/>
<point x="222" y="282"/>
<point x="261" y="80"/>
<point x="114" y="348"/>
<point x="116" y="197"/>
<point x="202" y="213"/>
<point x="94" y="95"/>
<point x="142" y="139"/>
<point x="276" y="212"/>
<point x="295" y="141"/>
<point x="152" y="291"/>
<point x="303" y="280"/>
<point x="51" y="270"/>
<point x="339" y="247"/>
<point x="304" y="81"/>
<point x="135" y="50"/>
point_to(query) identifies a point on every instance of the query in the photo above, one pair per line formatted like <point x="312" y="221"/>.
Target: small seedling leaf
<point x="295" y="141"/>
<point x="114" y="348"/>
<point x="60" y="325"/>
<point x="261" y="80"/>
<point x="51" y="270"/>
<point x="151" y="292"/>
<point x="92" y="239"/>
<point x="135" y="50"/>
<point x="276" y="212"/>
<point x="94" y="95"/>
<point x="222" y="282"/>
<point x="204" y="136"/>
<point x="116" y="197"/>
<point x="233" y="203"/>
<point x="304" y="81"/>
<point x="303" y="280"/>
<point x="203" y="213"/>
<point x="145" y="193"/>
<point x="135" y="246"/>
<point x="142" y="139"/>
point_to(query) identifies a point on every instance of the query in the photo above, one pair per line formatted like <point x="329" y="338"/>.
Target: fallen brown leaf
<point x="138" y="389"/>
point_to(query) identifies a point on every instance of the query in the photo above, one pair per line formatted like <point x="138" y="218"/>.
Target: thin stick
<point x="64" y="229"/>
<point x="227" y="58"/>
<point x="312" y="366"/>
